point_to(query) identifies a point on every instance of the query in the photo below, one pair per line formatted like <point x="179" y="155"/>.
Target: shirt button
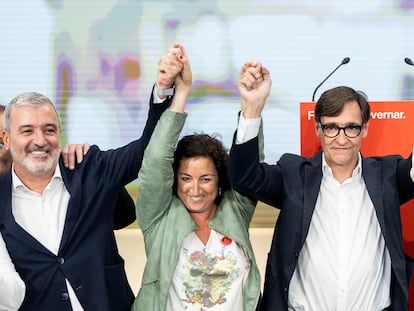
<point x="64" y="296"/>
<point x="296" y="254"/>
<point x="61" y="260"/>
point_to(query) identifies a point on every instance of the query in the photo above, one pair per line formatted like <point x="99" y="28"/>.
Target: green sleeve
<point x="156" y="176"/>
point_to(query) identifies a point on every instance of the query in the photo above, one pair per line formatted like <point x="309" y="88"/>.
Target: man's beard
<point x="38" y="167"/>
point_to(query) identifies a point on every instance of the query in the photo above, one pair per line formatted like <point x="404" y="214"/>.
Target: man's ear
<point x="365" y="129"/>
<point x="5" y="137"/>
<point x="317" y="131"/>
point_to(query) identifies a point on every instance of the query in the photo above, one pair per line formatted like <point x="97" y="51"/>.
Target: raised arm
<point x="124" y="213"/>
<point x="246" y="168"/>
<point x="156" y="175"/>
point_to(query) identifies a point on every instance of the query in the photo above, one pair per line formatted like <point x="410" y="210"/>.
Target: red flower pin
<point x="225" y="241"/>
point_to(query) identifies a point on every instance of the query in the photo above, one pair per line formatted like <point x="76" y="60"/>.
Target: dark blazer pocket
<point x="120" y="295"/>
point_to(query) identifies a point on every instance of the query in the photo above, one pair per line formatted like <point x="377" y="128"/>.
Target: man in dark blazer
<point x="337" y="244"/>
<point x="76" y="266"/>
<point x="12" y="287"/>
<point x="58" y="224"/>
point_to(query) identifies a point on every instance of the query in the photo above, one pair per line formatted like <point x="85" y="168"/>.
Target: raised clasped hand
<point x="170" y="66"/>
<point x="184" y="79"/>
<point x="254" y="87"/>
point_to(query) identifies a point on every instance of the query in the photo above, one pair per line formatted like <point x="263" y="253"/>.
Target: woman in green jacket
<point x="195" y="227"/>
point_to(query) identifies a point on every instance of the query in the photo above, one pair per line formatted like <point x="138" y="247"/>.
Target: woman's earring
<point x="219" y="191"/>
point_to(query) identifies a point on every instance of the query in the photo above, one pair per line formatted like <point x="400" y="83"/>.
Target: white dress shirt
<point x="43" y="216"/>
<point x="12" y="288"/>
<point x="344" y="264"/>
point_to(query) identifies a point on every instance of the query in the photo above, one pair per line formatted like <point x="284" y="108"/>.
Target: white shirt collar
<point x="357" y="172"/>
<point x="18" y="184"/>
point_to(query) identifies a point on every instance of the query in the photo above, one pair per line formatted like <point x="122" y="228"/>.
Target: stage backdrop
<point x="97" y="60"/>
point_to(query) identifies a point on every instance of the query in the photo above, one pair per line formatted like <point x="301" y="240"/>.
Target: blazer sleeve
<point x="247" y="204"/>
<point x="156" y="177"/>
<point x="250" y="175"/>
<point x="121" y="165"/>
<point x="124" y="213"/>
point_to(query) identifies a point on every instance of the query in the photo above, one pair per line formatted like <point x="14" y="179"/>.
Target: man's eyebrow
<point x="25" y="126"/>
<point x="43" y="126"/>
<point x="346" y="124"/>
<point x="52" y="125"/>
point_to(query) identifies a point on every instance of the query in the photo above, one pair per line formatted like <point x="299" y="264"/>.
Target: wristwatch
<point x="164" y="92"/>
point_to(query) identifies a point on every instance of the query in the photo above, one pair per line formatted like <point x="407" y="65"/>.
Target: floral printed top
<point x="209" y="277"/>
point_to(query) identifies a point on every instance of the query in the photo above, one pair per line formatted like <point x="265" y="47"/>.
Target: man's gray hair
<point x="28" y="99"/>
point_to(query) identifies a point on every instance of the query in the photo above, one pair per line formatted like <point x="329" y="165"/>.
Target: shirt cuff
<point x="247" y="129"/>
<point x="156" y="98"/>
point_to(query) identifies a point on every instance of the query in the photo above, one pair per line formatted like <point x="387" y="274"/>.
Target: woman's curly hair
<point x="203" y="145"/>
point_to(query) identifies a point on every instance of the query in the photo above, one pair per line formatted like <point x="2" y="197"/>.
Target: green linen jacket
<point x="165" y="222"/>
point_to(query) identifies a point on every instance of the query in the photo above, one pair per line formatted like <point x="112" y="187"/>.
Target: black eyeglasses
<point x="332" y="130"/>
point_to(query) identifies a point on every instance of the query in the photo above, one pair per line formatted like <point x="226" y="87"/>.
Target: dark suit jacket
<point x="293" y="186"/>
<point x="124" y="213"/>
<point x="88" y="255"/>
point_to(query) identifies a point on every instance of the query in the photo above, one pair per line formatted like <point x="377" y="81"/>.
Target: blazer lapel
<point x="371" y="172"/>
<point x="312" y="183"/>
<point x="72" y="214"/>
